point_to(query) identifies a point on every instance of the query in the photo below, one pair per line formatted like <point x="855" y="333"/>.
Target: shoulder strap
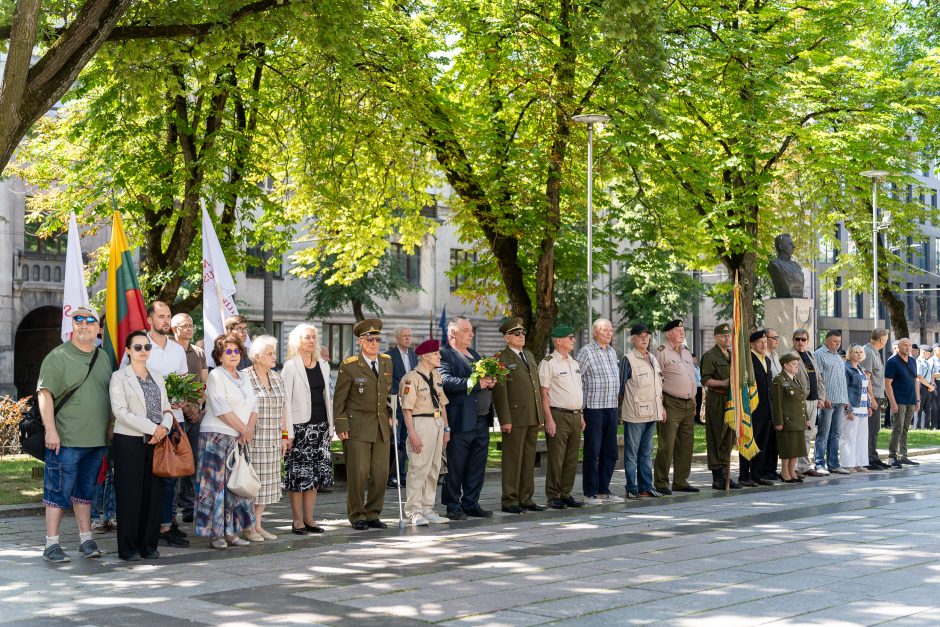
<point x="68" y="395"/>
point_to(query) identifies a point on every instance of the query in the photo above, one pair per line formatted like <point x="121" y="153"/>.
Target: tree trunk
<point x="357" y="310"/>
<point x="743" y="267"/>
<point x="896" y="311"/>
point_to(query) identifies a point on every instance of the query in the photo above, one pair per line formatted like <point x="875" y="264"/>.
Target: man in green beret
<point x="563" y="405"/>
<point x="363" y="422"/>
<point x="519" y="409"/>
<point x="716" y="377"/>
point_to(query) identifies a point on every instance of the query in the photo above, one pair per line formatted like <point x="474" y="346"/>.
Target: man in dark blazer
<point x="761" y="416"/>
<point x="469" y="415"/>
<point x="404" y="360"/>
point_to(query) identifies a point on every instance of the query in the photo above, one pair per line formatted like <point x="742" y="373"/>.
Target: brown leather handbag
<point x="172" y="456"/>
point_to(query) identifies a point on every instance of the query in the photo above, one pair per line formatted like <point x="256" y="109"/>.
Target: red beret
<point x="428" y="346"/>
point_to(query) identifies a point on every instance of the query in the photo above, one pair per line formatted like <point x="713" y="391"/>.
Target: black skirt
<point x="307" y="464"/>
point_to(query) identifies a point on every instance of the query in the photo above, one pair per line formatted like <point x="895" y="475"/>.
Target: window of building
<point x="827" y="249"/>
<point x="924" y="255"/>
<point x="911" y="315"/>
<point x="55" y="244"/>
<point x="255" y="261"/>
<point x="857" y="305"/>
<point x="458" y="256"/>
<point x="837" y="299"/>
<point x="339" y="341"/>
<point x="829" y="303"/>
<point x="409" y="265"/>
<point x="926" y="301"/>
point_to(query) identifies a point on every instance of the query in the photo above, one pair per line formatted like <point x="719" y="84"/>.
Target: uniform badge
<point x="407" y="389"/>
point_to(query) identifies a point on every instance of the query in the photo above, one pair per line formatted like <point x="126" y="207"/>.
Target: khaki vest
<point x="643" y="396"/>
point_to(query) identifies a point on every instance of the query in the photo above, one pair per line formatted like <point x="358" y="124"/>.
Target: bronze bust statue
<point x="786" y="274"/>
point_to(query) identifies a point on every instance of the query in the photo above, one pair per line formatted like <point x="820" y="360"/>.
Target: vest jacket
<point x="643" y="393"/>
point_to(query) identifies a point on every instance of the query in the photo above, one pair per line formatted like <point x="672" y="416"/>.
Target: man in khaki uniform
<point x="422" y="404"/>
<point x="562" y="404"/>
<point x="716" y="377"/>
<point x="677" y="434"/>
<point x="363" y="421"/>
<point x="519" y="409"/>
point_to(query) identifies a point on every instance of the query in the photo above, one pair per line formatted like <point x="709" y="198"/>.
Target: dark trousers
<point x="769" y="465"/>
<point x="186" y="498"/>
<point x="752" y="469"/>
<point x="137" y="496"/>
<point x="466" y="467"/>
<point x="600" y="450"/>
<point x="874" y="426"/>
<point x="935" y="402"/>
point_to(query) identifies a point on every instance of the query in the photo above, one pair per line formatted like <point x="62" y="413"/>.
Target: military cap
<point x="509" y="325"/>
<point x="562" y="330"/>
<point x="84" y="310"/>
<point x="638" y="329"/>
<point x="672" y="324"/>
<point x="913" y="346"/>
<point x="428" y="346"/>
<point x="936" y="346"/>
<point x="756" y="335"/>
<point x="788" y="358"/>
<point x="369" y="326"/>
<point x="723" y="329"/>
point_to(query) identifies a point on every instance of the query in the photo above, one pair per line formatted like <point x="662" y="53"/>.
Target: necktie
<point x="375" y="370"/>
<point x="524" y="360"/>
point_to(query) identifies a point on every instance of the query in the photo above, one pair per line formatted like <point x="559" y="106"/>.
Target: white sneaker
<point x="612" y="498"/>
<point x="418" y="520"/>
<point x="822" y="470"/>
<point x="839" y="471"/>
<point x="434" y="518"/>
<point x="236" y="541"/>
<point x="593" y="500"/>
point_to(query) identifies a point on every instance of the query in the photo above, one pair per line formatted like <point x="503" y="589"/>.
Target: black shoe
<point x="570" y="502"/>
<point x="632" y="496"/>
<point x="151" y="556"/>
<point x="873" y="467"/>
<point x="359" y="525"/>
<point x="664" y="491"/>
<point x="534" y="507"/>
<point x="172" y="539"/>
<point x="734" y="485"/>
<point x="747" y="483"/>
<point x="176" y="531"/>
<point x="391" y="484"/>
<point x="187" y="518"/>
<point x="763" y="481"/>
<point x="883" y="465"/>
<point x="513" y="509"/>
<point x="313" y="528"/>
<point x="909" y="462"/>
<point x="133" y="557"/>
<point x="896" y="464"/>
<point x="689" y="488"/>
<point x="301" y="531"/>
<point x="457" y="514"/>
<point x="557" y="504"/>
<point x="476" y="513"/>
<point x="376" y="524"/>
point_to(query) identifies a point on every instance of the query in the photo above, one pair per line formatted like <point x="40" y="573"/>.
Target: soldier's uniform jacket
<point x="415" y="393"/>
<point x="360" y="400"/>
<point x="716" y="366"/>
<point x="562" y="377"/>
<point x="789" y="403"/>
<point x="518" y="400"/>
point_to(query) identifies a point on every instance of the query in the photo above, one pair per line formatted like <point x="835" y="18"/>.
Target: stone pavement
<point x="850" y="550"/>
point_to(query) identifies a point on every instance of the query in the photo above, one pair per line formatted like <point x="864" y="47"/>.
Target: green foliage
<point x="326" y="295"/>
<point x="653" y="289"/>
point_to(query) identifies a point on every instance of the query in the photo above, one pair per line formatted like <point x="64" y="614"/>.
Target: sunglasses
<point x="518" y="333"/>
<point x="85" y="319"/>
<point x="801" y="339"/>
<point x="232" y="351"/>
<point x="374" y="339"/>
<point x="142" y="347"/>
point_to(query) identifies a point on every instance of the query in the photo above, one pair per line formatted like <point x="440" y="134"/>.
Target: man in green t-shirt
<point x="76" y="434"/>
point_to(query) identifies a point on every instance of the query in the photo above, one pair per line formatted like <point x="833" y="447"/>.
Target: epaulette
<point x="547" y="358"/>
<point x="662" y="347"/>
<point x="350" y="360"/>
<point x="385" y="356"/>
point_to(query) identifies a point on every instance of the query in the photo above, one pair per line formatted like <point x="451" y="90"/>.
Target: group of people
<point x="441" y="413"/>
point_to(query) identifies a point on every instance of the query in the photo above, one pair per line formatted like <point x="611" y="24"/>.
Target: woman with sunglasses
<point x="231" y="414"/>
<point x="142" y="418"/>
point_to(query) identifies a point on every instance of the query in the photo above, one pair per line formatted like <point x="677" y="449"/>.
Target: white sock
<point x="51" y="540"/>
<point x="84" y="537"/>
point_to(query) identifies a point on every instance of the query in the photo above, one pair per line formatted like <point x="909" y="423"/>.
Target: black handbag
<point x="32" y="431"/>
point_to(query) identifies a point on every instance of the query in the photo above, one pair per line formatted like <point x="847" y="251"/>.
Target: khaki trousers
<point x="562" y="455"/>
<point x="675" y="440"/>
<point x="900" y="425"/>
<point x="519" y="465"/>
<point x="424" y="467"/>
<point x="366" y="469"/>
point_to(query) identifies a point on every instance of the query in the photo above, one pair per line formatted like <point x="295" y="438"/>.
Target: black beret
<point x="672" y="324"/>
<point x="756" y="335"/>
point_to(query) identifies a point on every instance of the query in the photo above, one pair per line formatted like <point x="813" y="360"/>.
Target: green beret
<point x="723" y="329"/>
<point x="788" y="358"/>
<point x="562" y="331"/>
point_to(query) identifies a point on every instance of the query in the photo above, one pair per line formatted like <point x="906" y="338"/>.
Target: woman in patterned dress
<point x="308" y="465"/>
<point x="272" y="437"/>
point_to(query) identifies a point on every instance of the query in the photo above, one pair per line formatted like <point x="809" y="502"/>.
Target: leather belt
<point x="678" y="398"/>
<point x="567" y="411"/>
<point x="436" y="414"/>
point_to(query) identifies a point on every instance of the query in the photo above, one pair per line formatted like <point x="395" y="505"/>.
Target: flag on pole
<point x="124" y="309"/>
<point x="444" y="326"/>
<point x="76" y="292"/>
<point x="742" y="392"/>
<point x="218" y="287"/>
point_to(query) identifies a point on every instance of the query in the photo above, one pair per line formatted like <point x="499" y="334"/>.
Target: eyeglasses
<point x="519" y="333"/>
<point x="240" y="329"/>
<point x="801" y="339"/>
<point x="184" y="326"/>
<point x="374" y="339"/>
<point x="232" y="351"/>
<point x="85" y="319"/>
<point x="142" y="347"/>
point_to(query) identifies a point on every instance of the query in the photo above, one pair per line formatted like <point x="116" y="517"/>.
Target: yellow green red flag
<point x="124" y="304"/>
<point x="742" y="391"/>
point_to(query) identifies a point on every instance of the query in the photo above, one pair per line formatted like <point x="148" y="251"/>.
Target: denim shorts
<point x="71" y="475"/>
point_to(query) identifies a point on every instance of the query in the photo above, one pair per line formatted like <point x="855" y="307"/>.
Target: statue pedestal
<point x="785" y="315"/>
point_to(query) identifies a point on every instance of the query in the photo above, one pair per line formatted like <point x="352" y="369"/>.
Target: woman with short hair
<point x="789" y="415"/>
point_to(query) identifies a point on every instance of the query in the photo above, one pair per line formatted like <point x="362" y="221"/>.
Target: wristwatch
<point x="446" y="429"/>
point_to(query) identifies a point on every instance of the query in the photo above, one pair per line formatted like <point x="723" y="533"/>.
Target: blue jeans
<point x="167" y="501"/>
<point x="828" y="428"/>
<point x="600" y="450"/>
<point x="103" y="507"/>
<point x="638" y="455"/>
<point x="70" y="475"/>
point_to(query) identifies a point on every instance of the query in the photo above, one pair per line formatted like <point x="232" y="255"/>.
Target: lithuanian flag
<point x="742" y="391"/>
<point x="124" y="304"/>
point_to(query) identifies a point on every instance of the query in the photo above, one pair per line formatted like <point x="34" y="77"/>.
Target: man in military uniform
<point x="719" y="437"/>
<point x="677" y="434"/>
<point x="519" y="409"/>
<point x="562" y="404"/>
<point x="422" y="404"/>
<point x="363" y="422"/>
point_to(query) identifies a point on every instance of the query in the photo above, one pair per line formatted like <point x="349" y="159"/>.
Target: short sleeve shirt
<point x="415" y="393"/>
<point x="873" y="364"/>
<point x="903" y="375"/>
<point x="678" y="371"/>
<point x="83" y="421"/>
<point x="195" y="359"/>
<point x="561" y="376"/>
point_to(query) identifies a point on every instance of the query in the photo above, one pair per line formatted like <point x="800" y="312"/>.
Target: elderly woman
<point x="272" y="437"/>
<point x="308" y="465"/>
<point x="789" y="416"/>
<point x="231" y="414"/>
<point x="142" y="418"/>
<point x="853" y="442"/>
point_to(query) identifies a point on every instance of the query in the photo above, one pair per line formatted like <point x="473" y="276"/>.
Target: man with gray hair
<point x="404" y="360"/>
<point x="874" y="369"/>
<point x="903" y="398"/>
<point x="183" y="328"/>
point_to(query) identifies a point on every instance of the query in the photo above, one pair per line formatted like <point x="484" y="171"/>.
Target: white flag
<point x="76" y="292"/>
<point x="218" y="287"/>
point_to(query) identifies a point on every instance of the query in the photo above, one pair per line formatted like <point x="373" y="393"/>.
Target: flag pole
<point x="734" y="336"/>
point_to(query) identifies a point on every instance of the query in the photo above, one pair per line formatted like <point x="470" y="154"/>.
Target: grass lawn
<point x="17" y="484"/>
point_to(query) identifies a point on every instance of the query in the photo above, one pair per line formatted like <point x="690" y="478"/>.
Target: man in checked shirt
<point x="600" y="378"/>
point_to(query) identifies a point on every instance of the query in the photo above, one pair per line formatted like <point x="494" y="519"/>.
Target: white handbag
<point x="242" y="478"/>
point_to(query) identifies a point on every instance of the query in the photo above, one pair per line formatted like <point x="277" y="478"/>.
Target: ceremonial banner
<point x="444" y="326"/>
<point x="218" y="287"/>
<point x="76" y="292"/>
<point x="742" y="391"/>
<point x="124" y="309"/>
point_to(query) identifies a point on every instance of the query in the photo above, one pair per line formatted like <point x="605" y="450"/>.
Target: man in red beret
<point x="422" y="401"/>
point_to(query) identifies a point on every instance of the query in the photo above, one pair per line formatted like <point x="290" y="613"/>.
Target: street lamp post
<point x="590" y="119"/>
<point x="875" y="176"/>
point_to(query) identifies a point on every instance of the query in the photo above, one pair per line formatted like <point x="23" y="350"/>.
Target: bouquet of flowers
<point x="183" y="388"/>
<point x="488" y="367"/>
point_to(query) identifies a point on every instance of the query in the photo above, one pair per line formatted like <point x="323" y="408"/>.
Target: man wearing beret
<point x="751" y="471"/>
<point x="422" y="405"/>
<point x="562" y="404"/>
<point x="676" y="435"/>
<point x="519" y="410"/>
<point x="363" y="423"/>
<point x="716" y="377"/>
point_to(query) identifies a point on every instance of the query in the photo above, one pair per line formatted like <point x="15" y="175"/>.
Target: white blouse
<point x="226" y="394"/>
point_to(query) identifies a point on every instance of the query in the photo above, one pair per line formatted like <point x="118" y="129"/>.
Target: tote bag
<point x="242" y="478"/>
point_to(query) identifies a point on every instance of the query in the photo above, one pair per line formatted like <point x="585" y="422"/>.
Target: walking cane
<point x="401" y="512"/>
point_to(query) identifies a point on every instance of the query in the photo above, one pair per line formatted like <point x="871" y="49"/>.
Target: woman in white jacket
<point x="142" y="418"/>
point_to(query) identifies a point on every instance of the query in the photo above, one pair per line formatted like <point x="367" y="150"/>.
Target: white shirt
<point x="164" y="361"/>
<point x="224" y="394"/>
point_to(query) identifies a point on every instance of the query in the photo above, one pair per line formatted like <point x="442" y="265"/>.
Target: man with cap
<point x="641" y="406"/>
<point x="676" y="435"/>
<point x="421" y="392"/>
<point x="519" y="410"/>
<point x="563" y="404"/>
<point x="716" y="377"/>
<point x="922" y="419"/>
<point x="751" y="470"/>
<point x="363" y="422"/>
<point x="934" y="378"/>
<point x="76" y="430"/>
